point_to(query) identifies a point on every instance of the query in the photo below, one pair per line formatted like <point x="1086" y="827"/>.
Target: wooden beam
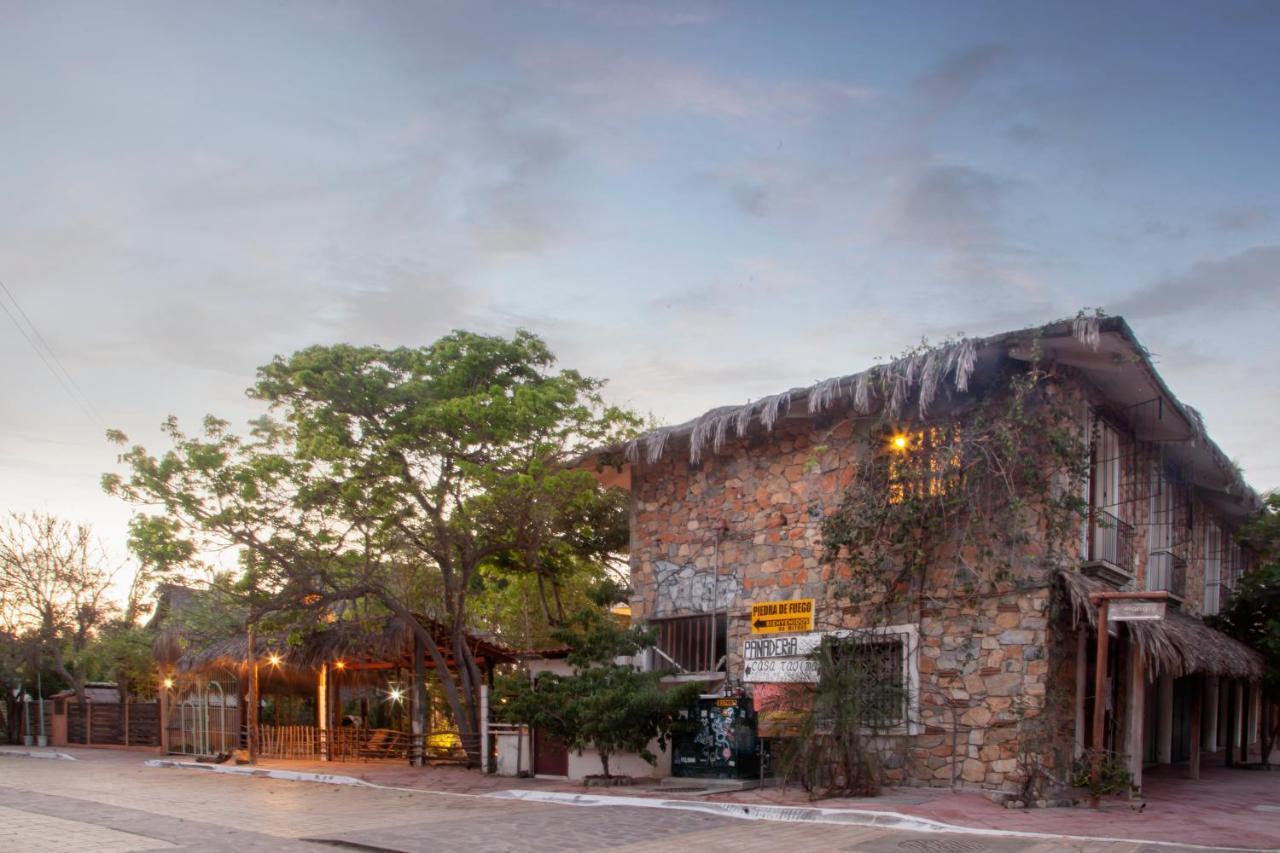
<point x="1099" y="698"/>
<point x="1197" y="703"/>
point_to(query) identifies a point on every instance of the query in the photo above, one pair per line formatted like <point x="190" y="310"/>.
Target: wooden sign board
<point x="1135" y="610"/>
<point x="782" y="617"/>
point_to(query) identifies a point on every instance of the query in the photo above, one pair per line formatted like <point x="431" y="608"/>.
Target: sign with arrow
<point x="782" y="617"/>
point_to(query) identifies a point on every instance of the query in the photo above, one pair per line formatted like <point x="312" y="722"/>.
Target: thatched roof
<point x="1104" y="349"/>
<point x="376" y="642"/>
<point x="1179" y="644"/>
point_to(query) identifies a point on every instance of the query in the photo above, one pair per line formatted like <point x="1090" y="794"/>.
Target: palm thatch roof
<point x="373" y="643"/>
<point x="1105" y="349"/>
<point x="1179" y="644"/>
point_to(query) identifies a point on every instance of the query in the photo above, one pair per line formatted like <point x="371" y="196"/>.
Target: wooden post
<point x="126" y="719"/>
<point x="1099" y="696"/>
<point x="251" y="718"/>
<point x="418" y="705"/>
<point x="1197" y="703"/>
<point x="1231" y="723"/>
<point x="164" y="715"/>
<point x="322" y="709"/>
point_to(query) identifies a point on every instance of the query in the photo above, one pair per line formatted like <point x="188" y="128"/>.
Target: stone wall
<point x="755" y="511"/>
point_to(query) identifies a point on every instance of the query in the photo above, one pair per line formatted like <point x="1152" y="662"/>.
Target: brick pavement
<point x="109" y="802"/>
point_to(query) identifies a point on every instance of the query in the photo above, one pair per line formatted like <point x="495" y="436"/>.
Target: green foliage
<point x="854" y="700"/>
<point x="1113" y="775"/>
<point x="603" y="705"/>
<point x="408" y="478"/>
<point x="961" y="495"/>
<point x="1252" y="613"/>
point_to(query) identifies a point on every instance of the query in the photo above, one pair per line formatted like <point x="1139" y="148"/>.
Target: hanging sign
<point x="782" y="617"/>
<point x="780" y="671"/>
<point x="1135" y="610"/>
<point x="782" y="660"/>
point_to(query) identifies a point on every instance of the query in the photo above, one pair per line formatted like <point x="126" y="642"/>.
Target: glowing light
<point x="273" y="659"/>
<point x="899" y="442"/>
<point x="168" y="683"/>
<point x="395" y="694"/>
<point x="339" y="664"/>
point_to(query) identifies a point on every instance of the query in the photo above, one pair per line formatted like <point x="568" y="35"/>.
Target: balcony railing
<point x="1111" y="541"/>
<point x="1168" y="571"/>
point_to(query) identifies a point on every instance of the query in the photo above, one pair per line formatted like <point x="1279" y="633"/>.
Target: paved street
<point x="110" y="802"/>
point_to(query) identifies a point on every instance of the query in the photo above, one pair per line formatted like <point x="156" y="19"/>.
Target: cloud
<point x="640" y="84"/>
<point x="650" y="13"/>
<point x="1243" y="282"/>
<point x="1242" y="217"/>
<point x="948" y="206"/>
<point x="958" y="74"/>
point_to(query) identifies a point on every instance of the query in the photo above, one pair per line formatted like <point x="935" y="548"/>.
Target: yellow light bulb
<point x="900" y="442"/>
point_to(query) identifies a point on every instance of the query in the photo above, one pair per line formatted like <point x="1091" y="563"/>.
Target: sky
<point x="703" y="202"/>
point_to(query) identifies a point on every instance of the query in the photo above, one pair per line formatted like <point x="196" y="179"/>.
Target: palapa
<point x="1179" y="644"/>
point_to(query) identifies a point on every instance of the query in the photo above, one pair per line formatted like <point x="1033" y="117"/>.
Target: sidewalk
<point x="1226" y="808"/>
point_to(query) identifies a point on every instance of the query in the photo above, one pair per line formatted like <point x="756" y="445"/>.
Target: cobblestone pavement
<point x="110" y="802"/>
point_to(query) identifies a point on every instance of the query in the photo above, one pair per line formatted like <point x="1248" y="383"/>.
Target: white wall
<point x="621" y="764"/>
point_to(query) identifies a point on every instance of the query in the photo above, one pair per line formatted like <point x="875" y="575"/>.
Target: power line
<point x="64" y="377"/>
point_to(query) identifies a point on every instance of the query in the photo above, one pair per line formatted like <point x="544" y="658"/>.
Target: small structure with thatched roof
<point x="350" y="690"/>
<point x="728" y="512"/>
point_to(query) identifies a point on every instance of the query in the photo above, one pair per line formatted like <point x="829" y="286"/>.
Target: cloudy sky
<point x="704" y="202"/>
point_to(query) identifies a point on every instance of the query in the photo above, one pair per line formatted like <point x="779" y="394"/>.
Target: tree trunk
<point x="604" y="761"/>
<point x="555" y="590"/>
<point x="461" y="713"/>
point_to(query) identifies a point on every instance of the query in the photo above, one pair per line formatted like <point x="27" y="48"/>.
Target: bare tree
<point x="54" y="580"/>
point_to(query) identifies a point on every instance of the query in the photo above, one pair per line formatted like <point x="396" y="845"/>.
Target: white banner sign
<point x="794" y="646"/>
<point x="780" y="670"/>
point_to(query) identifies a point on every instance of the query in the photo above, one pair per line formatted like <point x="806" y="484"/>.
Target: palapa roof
<point x="1180" y="644"/>
<point x="1104" y="349"/>
<point x="375" y="643"/>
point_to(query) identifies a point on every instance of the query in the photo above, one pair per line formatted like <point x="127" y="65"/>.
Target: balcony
<point x="1110" y="556"/>
<point x="1167" y="571"/>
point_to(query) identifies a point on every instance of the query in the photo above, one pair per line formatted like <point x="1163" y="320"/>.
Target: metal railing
<point x="1111" y="540"/>
<point x="690" y="643"/>
<point x="1167" y="571"/>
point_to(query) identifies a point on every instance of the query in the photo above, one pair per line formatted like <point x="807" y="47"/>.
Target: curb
<point x="23" y="753"/>
<point x="781" y="814"/>
<point x="262" y="773"/>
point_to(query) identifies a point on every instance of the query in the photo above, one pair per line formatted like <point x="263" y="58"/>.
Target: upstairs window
<point x="1212" y="568"/>
<point x="924" y="463"/>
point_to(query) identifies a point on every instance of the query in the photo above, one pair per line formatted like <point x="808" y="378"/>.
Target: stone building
<point x="991" y="651"/>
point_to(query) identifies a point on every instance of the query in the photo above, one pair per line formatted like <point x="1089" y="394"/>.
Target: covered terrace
<point x="352" y="690"/>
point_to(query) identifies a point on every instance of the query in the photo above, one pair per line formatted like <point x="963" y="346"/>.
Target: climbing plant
<point x="979" y="496"/>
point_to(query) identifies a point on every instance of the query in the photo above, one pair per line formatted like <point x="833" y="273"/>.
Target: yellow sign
<point x="782" y="617"/>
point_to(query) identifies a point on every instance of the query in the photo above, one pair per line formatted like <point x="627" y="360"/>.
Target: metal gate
<point x="204" y="714"/>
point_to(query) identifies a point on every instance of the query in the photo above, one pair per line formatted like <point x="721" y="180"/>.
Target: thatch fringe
<point x="386" y="639"/>
<point x="922" y="374"/>
<point x="1179" y="644"/>
<point x="1087" y="329"/>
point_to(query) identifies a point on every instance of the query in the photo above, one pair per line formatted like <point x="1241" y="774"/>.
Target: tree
<point x="1252" y="614"/>
<point x="393" y="476"/>
<point x="54" y="581"/>
<point x="603" y="705"/>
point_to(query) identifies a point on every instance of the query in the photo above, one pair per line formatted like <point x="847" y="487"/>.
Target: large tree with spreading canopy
<point x="393" y="476"/>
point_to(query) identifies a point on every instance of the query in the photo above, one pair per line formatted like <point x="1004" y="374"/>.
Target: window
<point x="690" y="643"/>
<point x="923" y="463"/>
<point x="887" y="673"/>
<point x="1212" y="568"/>
<point x="879" y="668"/>
<point x="1110" y="537"/>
